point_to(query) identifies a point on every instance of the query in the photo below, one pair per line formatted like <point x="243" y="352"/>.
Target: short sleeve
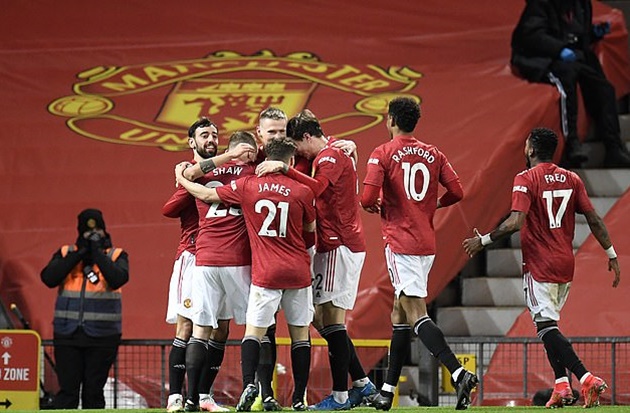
<point x="447" y="173"/>
<point x="583" y="203"/>
<point x="375" y="172"/>
<point x="329" y="165"/>
<point x="521" y="194"/>
<point x="233" y="192"/>
<point x="309" y="206"/>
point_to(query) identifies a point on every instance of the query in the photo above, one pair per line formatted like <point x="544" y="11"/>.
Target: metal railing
<point x="510" y="369"/>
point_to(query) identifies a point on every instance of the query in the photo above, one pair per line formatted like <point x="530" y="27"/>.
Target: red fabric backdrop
<point x="96" y="98"/>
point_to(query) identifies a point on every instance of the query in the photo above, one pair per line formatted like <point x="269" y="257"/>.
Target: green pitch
<point x="472" y="409"/>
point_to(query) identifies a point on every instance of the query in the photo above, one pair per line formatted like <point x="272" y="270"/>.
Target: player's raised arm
<point x="197" y="190"/>
<point x="201" y="168"/>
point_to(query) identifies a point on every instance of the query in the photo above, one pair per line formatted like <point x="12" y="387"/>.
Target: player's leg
<point x="411" y="277"/>
<point x="177" y="364"/>
<point x="266" y="367"/>
<point x="398" y="353"/>
<point x="545" y="300"/>
<point x="214" y="359"/>
<point x="262" y="306"/>
<point x="298" y="310"/>
<point x="180" y="288"/>
<point x="203" y="315"/>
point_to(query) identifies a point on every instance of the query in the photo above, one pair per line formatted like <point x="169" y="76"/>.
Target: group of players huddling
<point x="276" y="225"/>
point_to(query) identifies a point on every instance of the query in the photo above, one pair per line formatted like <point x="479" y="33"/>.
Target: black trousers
<point x="83" y="367"/>
<point x="598" y="94"/>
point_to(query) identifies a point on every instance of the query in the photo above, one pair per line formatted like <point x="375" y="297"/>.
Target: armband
<point x="486" y="240"/>
<point x="611" y="253"/>
<point x="207" y="165"/>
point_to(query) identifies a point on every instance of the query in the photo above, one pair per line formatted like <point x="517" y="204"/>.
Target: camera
<point x="89" y="273"/>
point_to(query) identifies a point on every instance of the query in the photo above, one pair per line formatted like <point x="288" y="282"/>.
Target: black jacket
<point x="543" y="31"/>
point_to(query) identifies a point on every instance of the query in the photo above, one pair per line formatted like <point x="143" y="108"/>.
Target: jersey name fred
<point x="555" y="178"/>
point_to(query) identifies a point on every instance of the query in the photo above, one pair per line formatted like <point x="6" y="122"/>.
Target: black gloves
<point x="95" y="242"/>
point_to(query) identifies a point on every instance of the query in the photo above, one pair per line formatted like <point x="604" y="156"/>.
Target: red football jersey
<point x="301" y="164"/>
<point x="182" y="205"/>
<point x="338" y="217"/>
<point x="550" y="196"/>
<point x="222" y="239"/>
<point x="275" y="208"/>
<point x="408" y="171"/>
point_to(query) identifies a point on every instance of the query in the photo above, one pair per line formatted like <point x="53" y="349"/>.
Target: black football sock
<point x="267" y="362"/>
<point x="250" y="351"/>
<point x="196" y="353"/>
<point x="216" y="352"/>
<point x="301" y="364"/>
<point x="355" y="368"/>
<point x="338" y="354"/>
<point x="177" y="366"/>
<point x="563" y="350"/>
<point x="433" y="338"/>
<point x="398" y="352"/>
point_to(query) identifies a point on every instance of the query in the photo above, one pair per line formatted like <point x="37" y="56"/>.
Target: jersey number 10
<point x="409" y="180"/>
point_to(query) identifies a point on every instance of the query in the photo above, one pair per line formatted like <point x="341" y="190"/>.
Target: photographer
<point x="88" y="311"/>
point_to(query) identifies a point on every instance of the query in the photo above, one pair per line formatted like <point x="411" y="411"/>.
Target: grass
<point x="450" y="409"/>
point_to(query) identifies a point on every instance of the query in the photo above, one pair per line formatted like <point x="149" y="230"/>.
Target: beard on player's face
<point x="208" y="150"/>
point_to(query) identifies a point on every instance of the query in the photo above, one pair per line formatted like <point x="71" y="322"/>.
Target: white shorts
<point x="180" y="288"/>
<point x="220" y="293"/>
<point x="336" y="276"/>
<point x="544" y="300"/>
<point x="297" y="305"/>
<point x="409" y="274"/>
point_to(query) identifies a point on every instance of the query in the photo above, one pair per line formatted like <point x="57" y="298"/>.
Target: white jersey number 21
<point x="272" y="211"/>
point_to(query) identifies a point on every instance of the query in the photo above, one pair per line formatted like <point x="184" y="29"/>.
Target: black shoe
<point x="189" y="406"/>
<point x="299" y="406"/>
<point x="575" y="153"/>
<point x="382" y="402"/>
<point x="247" y="398"/>
<point x="466" y="383"/>
<point x="618" y="157"/>
<point x="271" y="405"/>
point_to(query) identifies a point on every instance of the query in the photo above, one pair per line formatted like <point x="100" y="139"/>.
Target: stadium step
<point x="492" y="298"/>
<point x="477" y="321"/>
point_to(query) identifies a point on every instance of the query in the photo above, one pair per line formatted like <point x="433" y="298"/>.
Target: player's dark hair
<point x="241" y="136"/>
<point x="201" y="123"/>
<point x="303" y="122"/>
<point x="272" y="113"/>
<point x="544" y="142"/>
<point x="405" y="112"/>
<point x="280" y="149"/>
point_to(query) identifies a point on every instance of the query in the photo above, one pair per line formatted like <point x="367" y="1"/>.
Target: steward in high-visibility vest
<point x="88" y="311"/>
<point x="85" y="299"/>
